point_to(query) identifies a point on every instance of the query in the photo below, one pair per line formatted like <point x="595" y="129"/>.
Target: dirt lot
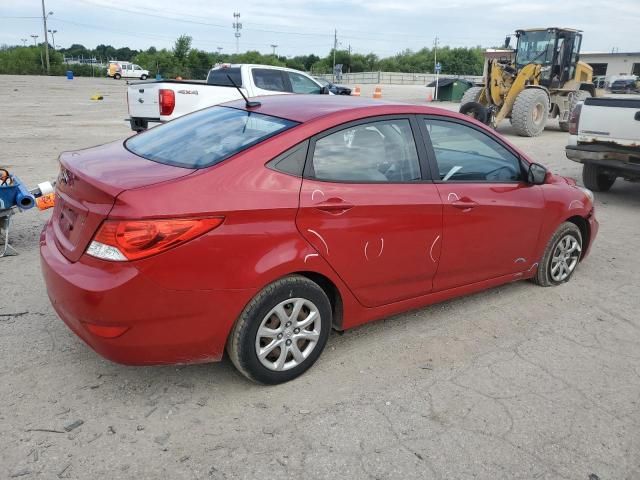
<point x="519" y="382"/>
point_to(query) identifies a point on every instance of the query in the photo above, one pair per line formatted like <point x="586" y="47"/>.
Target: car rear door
<point x="491" y="216"/>
<point x="269" y="81"/>
<point x="366" y="209"/>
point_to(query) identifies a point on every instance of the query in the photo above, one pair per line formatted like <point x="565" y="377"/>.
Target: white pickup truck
<point x="605" y="138"/>
<point x="164" y="100"/>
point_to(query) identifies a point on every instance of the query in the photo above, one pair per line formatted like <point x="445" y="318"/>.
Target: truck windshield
<point x="206" y="137"/>
<point x="218" y="77"/>
<point x="535" y="47"/>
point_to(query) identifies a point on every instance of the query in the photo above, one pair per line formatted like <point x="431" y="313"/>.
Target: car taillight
<point x="167" y="100"/>
<point x="124" y="240"/>
<point x="574" y="119"/>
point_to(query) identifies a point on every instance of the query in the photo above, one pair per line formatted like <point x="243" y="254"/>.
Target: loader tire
<point x="578" y="96"/>
<point x="471" y="95"/>
<point x="530" y="112"/>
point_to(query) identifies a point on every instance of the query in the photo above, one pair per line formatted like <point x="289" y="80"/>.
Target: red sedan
<point x="258" y="228"/>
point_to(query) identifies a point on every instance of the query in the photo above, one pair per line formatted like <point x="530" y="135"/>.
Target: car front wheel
<point x="561" y="257"/>
<point x="282" y="331"/>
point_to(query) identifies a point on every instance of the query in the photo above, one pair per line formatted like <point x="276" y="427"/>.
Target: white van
<point x="118" y="70"/>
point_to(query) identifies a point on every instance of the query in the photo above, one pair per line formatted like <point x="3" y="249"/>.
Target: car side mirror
<point x="324" y="90"/>
<point x="536" y="174"/>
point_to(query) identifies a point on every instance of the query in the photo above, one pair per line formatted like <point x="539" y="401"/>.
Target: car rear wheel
<point x="282" y="331"/>
<point x="561" y="257"/>
<point x="595" y="178"/>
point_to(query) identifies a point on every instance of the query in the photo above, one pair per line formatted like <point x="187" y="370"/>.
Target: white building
<point x="608" y="64"/>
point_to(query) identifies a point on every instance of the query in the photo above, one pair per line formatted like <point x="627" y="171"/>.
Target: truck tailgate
<point x="143" y="100"/>
<point x="606" y="120"/>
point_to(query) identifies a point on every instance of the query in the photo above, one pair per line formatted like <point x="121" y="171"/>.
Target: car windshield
<point x="535" y="47"/>
<point x="322" y="82"/>
<point x="206" y="137"/>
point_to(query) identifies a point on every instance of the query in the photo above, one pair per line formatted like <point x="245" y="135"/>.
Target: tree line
<point x="187" y="62"/>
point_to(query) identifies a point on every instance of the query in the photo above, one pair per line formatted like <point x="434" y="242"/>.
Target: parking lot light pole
<point x="53" y="37"/>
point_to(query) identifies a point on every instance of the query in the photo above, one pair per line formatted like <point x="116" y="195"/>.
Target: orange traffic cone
<point x="378" y="92"/>
<point x="356" y="91"/>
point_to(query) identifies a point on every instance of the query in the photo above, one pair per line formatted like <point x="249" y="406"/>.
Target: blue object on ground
<point x="16" y="195"/>
<point x="69" y="74"/>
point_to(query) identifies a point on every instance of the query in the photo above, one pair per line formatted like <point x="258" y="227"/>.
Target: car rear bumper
<point x="164" y="326"/>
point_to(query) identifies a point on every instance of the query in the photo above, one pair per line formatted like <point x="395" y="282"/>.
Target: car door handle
<point x="464" y="204"/>
<point x="334" y="205"/>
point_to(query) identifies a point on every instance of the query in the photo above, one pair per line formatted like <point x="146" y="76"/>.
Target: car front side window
<point x="381" y="151"/>
<point x="464" y="154"/>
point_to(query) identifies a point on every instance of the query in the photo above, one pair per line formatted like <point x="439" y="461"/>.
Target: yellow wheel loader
<point x="543" y="79"/>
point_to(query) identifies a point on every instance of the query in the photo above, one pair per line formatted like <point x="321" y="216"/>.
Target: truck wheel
<point x="117" y="76"/>
<point x="530" y="112"/>
<point x="578" y="96"/>
<point x="282" y="331"/>
<point x="594" y="178"/>
<point x="471" y="95"/>
<point x="561" y="256"/>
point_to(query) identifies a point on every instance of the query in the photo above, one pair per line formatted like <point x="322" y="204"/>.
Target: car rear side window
<point x="464" y="154"/>
<point x="218" y="77"/>
<point x="269" y="79"/>
<point x="381" y="151"/>
<point x="206" y="137"/>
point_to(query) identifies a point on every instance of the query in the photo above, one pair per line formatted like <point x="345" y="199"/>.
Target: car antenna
<point x="247" y="103"/>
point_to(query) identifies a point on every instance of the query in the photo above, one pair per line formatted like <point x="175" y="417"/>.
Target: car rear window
<point x="207" y="137"/>
<point x="218" y="77"/>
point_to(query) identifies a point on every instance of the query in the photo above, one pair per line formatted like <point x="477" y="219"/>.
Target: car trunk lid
<point x="87" y="187"/>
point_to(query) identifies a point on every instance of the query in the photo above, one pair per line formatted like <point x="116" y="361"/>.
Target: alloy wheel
<point x="288" y="334"/>
<point x="565" y="258"/>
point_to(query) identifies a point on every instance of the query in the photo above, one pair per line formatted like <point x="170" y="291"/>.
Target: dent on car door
<point x="366" y="210"/>
<point x="491" y="216"/>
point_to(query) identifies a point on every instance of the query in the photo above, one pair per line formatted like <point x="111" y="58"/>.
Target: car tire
<point x="475" y="110"/>
<point x="269" y="343"/>
<point x="530" y="112"/>
<point x="561" y="257"/>
<point x="578" y="96"/>
<point x="117" y="76"/>
<point x="143" y="77"/>
<point x="595" y="179"/>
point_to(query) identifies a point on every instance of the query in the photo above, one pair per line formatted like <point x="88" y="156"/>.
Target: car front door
<point x="367" y="211"/>
<point x="491" y="216"/>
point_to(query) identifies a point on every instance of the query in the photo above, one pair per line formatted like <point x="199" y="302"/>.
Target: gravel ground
<point x="519" y="382"/>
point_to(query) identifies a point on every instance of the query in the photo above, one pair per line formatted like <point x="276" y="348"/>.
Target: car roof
<point x="305" y="108"/>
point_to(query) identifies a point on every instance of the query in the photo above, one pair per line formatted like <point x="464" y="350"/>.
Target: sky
<point x="384" y="27"/>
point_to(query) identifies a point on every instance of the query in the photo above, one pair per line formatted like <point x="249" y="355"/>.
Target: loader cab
<point x="555" y="50"/>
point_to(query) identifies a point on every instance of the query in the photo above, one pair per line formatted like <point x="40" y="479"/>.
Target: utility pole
<point x="238" y="26"/>
<point x="435" y="64"/>
<point x="219" y="50"/>
<point x="53" y="38"/>
<point x="35" y="37"/>
<point x="349" y="70"/>
<point x="24" y="42"/>
<point x="335" y="47"/>
<point x="46" y="38"/>
<point x="274" y="46"/>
